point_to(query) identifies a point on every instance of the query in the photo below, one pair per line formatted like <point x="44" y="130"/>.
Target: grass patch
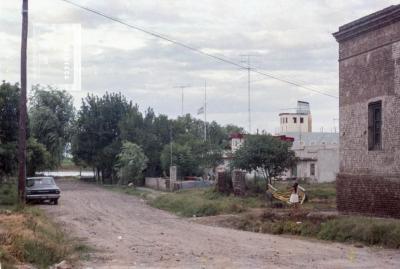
<point x="8" y="194"/>
<point x="320" y="196"/>
<point x="28" y="236"/>
<point x="370" y="231"/>
<point x="351" y="229"/>
<point x="204" y="202"/>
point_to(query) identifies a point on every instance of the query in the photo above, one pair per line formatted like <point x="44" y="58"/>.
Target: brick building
<point x="369" y="81"/>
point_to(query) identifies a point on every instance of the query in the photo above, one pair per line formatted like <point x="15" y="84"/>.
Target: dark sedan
<point x="42" y="189"/>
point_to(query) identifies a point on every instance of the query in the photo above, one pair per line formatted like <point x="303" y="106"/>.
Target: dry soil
<point x="127" y="233"/>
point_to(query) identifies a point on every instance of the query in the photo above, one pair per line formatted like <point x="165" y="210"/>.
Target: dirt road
<point x="130" y="234"/>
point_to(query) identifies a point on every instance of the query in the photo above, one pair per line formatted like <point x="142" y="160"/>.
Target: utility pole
<point x="182" y="87"/>
<point x="22" y="108"/>
<point x="170" y="145"/>
<point x="248" y="56"/>
<point x="334" y="124"/>
<point x="205" y="110"/>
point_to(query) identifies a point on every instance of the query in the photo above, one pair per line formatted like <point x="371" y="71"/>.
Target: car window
<point x="39" y="181"/>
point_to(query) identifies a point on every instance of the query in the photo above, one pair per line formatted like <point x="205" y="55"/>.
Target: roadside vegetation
<point x="358" y="230"/>
<point x="317" y="218"/>
<point x="27" y="236"/>
<point x="204" y="202"/>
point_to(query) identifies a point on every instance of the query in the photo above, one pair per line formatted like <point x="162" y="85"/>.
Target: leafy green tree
<point x="102" y="124"/>
<point x="9" y="98"/>
<point x="97" y="138"/>
<point x="131" y="162"/>
<point x="182" y="157"/>
<point x="51" y="114"/>
<point x="266" y="153"/>
<point x="38" y="158"/>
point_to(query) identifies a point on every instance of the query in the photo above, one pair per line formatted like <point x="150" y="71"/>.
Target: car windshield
<point x="39" y="181"/>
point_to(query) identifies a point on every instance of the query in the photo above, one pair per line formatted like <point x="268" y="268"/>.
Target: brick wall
<point x="366" y="78"/>
<point x="368" y="195"/>
<point x="369" y="71"/>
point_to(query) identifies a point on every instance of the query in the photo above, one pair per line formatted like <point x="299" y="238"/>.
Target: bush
<point x="370" y="231"/>
<point x="131" y="162"/>
<point x="32" y="238"/>
<point x="8" y="194"/>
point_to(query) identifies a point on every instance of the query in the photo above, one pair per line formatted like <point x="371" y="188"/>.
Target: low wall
<point x="163" y="184"/>
<point x="190" y="184"/>
<point x="157" y="183"/>
<point x="368" y="195"/>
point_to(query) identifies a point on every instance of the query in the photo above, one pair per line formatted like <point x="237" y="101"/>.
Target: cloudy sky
<point x="85" y="53"/>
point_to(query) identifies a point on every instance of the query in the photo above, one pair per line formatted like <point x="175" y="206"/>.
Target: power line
<point x="195" y="49"/>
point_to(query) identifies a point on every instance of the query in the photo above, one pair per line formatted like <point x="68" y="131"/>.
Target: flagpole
<point x="205" y="110"/>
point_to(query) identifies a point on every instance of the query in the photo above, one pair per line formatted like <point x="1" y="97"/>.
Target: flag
<point x="200" y="111"/>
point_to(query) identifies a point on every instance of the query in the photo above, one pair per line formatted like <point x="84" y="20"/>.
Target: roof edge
<point x="368" y="23"/>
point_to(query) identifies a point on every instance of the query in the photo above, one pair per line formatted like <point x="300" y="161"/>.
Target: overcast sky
<point x="290" y="39"/>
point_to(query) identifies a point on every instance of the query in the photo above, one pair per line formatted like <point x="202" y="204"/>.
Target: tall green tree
<point x="266" y="153"/>
<point x="37" y="155"/>
<point x="9" y="98"/>
<point x="51" y="114"/>
<point x="97" y="138"/>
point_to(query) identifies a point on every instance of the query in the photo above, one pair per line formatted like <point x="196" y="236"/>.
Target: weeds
<point x="204" y="202"/>
<point x="8" y="194"/>
<point x="27" y="236"/>
<point x="365" y="230"/>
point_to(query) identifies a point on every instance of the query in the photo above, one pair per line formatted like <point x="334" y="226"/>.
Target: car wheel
<point x="55" y="201"/>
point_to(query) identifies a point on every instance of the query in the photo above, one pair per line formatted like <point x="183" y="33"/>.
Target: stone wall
<point x="157" y="183"/>
<point x="239" y="182"/>
<point x="368" y="195"/>
<point x="365" y="78"/>
<point x="369" y="71"/>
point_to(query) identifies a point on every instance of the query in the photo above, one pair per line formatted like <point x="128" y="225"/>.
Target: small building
<point x="369" y="111"/>
<point x="237" y="140"/>
<point x="318" y="156"/>
<point x="300" y="121"/>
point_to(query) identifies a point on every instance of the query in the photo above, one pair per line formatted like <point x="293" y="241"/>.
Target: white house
<point x="318" y="155"/>
<point x="300" y="121"/>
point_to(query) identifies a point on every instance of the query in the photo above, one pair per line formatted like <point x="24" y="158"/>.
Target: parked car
<point x="42" y="189"/>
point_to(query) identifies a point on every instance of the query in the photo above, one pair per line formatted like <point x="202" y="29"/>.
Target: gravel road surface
<point x="127" y="233"/>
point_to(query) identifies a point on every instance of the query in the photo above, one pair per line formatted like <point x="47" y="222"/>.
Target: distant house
<point x="299" y="121"/>
<point x="237" y="140"/>
<point x="369" y="81"/>
<point x="318" y="155"/>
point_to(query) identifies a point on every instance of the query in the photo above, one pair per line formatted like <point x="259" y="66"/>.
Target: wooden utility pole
<point x="22" y="107"/>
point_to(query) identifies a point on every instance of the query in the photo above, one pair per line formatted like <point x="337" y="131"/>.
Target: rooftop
<point x="314" y="138"/>
<point x="368" y="23"/>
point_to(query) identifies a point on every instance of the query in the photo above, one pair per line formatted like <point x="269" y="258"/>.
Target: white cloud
<point x="292" y="38"/>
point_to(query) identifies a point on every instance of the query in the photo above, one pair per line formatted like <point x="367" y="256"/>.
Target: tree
<point x="182" y="157"/>
<point x="38" y="158"/>
<point x="131" y="162"/>
<point x="9" y="98"/>
<point x="51" y="114"/>
<point x="97" y="138"/>
<point x="266" y="153"/>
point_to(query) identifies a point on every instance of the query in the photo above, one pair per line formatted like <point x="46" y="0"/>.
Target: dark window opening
<point x="301" y="120"/>
<point x="294" y="120"/>
<point x="312" y="169"/>
<point x="375" y="126"/>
